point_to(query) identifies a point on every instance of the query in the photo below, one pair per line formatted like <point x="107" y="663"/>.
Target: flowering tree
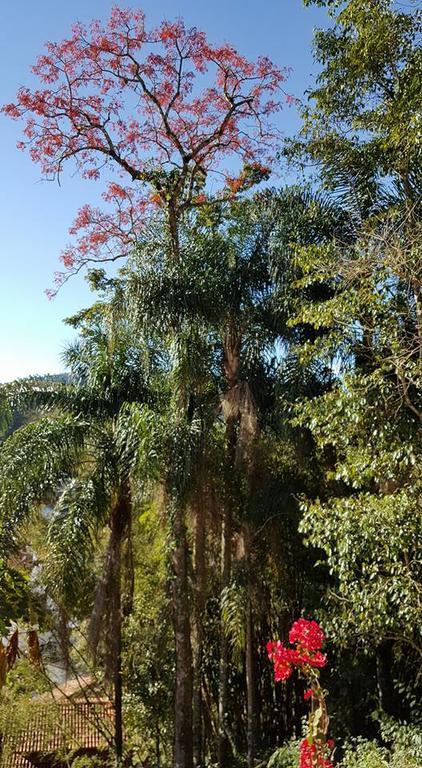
<point x="308" y="639"/>
<point x="164" y="107"/>
<point x="170" y="113"/>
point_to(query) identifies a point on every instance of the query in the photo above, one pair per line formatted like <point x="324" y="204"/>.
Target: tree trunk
<point x="223" y="697"/>
<point x="183" y="716"/>
<point x="183" y="747"/>
<point x="250" y="659"/>
<point x="174" y="231"/>
<point x="386" y="692"/>
<point x="231" y="364"/>
<point x="197" y="635"/>
<point x="119" y="521"/>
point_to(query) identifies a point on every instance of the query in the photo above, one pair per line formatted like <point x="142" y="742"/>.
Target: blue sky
<point x="35" y="215"/>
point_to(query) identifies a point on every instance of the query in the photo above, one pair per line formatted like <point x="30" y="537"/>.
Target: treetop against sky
<point x="163" y="107"/>
<point x="136" y="118"/>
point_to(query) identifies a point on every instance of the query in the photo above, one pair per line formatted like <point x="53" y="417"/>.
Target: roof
<point x="72" y="718"/>
<point x="81" y="688"/>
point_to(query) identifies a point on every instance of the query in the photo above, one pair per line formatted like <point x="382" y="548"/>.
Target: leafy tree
<point x="367" y="520"/>
<point x="362" y="118"/>
<point x="230" y="295"/>
<point x="360" y="129"/>
<point x="174" y="137"/>
<point x="179" y="132"/>
<point x="84" y="456"/>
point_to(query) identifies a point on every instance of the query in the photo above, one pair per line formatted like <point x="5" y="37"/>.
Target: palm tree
<point x="221" y="313"/>
<point x="88" y="456"/>
<point x="257" y="244"/>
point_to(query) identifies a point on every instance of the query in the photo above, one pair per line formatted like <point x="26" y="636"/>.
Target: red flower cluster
<point x="281" y="658"/>
<point x="311" y="756"/>
<point x="307" y="634"/>
<point x="308" y="637"/>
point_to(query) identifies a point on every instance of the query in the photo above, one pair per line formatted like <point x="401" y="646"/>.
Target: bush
<point x="404" y="749"/>
<point x="286" y="756"/>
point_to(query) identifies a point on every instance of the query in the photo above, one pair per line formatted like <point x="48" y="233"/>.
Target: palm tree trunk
<point x="183" y="717"/>
<point x="183" y="746"/>
<point x="223" y="698"/>
<point x="197" y="634"/>
<point x="250" y="659"/>
<point x="118" y="691"/>
<point x="231" y="364"/>
<point x="119" y="527"/>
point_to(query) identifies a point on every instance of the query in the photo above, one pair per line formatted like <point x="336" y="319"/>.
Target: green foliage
<point x="87" y="761"/>
<point x="403" y="750"/>
<point x="363" y="114"/>
<point x="73" y="531"/>
<point x="286" y="756"/>
<point x="271" y="376"/>
<point x="369" y="542"/>
<point x="148" y="650"/>
<point x="34" y="460"/>
<point x="366" y="431"/>
<point x="14" y="591"/>
<point x="233" y="609"/>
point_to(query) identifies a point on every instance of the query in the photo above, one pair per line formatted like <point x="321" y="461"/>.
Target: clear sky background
<point x="35" y="215"/>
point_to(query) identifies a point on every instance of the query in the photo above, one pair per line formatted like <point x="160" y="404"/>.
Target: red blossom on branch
<point x="307" y="634"/>
<point x="164" y="107"/>
<point x="310" y="756"/>
<point x="308" y="638"/>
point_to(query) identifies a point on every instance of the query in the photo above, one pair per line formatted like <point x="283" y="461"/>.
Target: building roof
<point x="72" y="718"/>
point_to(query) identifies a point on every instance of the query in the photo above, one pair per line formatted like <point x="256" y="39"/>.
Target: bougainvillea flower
<point x="312" y="757"/>
<point x="307" y="634"/>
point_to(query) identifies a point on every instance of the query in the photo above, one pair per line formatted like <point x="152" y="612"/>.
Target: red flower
<point x="307" y="634"/>
<point x="308" y="637"/>
<point x="308" y="694"/>
<point x="319" y="660"/>
<point x="281" y="658"/>
<point x="311" y="756"/>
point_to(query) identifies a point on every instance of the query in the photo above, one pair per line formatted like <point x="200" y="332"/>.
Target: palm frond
<point x="233" y="613"/>
<point x="34" y="461"/>
<point x="137" y="437"/>
<point x="79" y="514"/>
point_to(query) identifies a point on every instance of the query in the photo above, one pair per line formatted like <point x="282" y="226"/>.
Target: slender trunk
<point x="223" y="698"/>
<point x="387" y="694"/>
<point x="157" y="747"/>
<point x="250" y="660"/>
<point x="118" y="726"/>
<point x="118" y="527"/>
<point x="127" y="572"/>
<point x="231" y="364"/>
<point x="183" y="747"/>
<point x="183" y="734"/>
<point x="197" y="635"/>
<point x="174" y="232"/>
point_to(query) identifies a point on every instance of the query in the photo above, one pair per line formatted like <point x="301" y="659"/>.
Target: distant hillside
<point x="62" y="377"/>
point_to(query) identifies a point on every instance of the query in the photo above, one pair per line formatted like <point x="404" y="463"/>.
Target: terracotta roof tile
<point x="59" y="726"/>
